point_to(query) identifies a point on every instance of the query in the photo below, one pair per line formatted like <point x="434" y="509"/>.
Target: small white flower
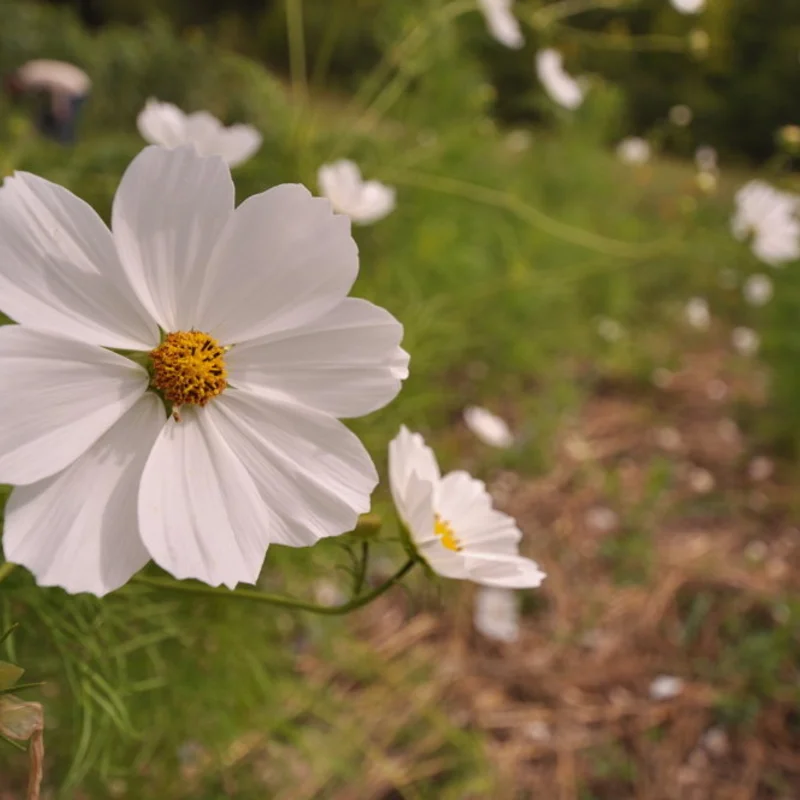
<point x="496" y="614"/>
<point x="665" y="687"/>
<point x="488" y="427"/>
<point x="681" y="115"/>
<point x="451" y="521"/>
<point x="688" y="6"/>
<point x="758" y="290"/>
<point x="502" y="23"/>
<point x="770" y="216"/>
<point x="538" y="731"/>
<point x="609" y="329"/>
<point x="760" y="469"/>
<point x="560" y="85"/>
<point x="697" y="313"/>
<point x="601" y="519"/>
<point x="745" y="340"/>
<point x="166" y="125"/>
<point x="242" y="315"/>
<point x="363" y="201"/>
<point x="701" y="481"/>
<point x="633" y="150"/>
<point x="705" y="158"/>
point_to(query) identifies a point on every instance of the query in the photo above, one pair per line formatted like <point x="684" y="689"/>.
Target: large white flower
<point x="362" y="201"/>
<point x="502" y="23"/>
<point x="243" y="317"/>
<point x="633" y="150"/>
<point x="559" y="84"/>
<point x="688" y="6"/>
<point x="770" y="216"/>
<point x="451" y="521"/>
<point x="165" y="124"/>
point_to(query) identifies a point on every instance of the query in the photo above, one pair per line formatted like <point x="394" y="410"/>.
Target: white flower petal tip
<point x="166" y="125"/>
<point x="560" y="85"/>
<point x="688" y="6"/>
<point x="451" y="520"/>
<point x="633" y="150"/>
<point x="263" y="352"/>
<point x="770" y="218"/>
<point x="363" y="201"/>
<point x="496" y="614"/>
<point x="502" y="23"/>
<point x="488" y="427"/>
<point x="665" y="687"/>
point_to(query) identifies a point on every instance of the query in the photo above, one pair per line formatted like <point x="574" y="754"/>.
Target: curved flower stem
<point x="275" y="599"/>
<point x="5" y="570"/>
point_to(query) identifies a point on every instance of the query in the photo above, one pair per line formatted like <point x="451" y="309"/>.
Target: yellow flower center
<point x="188" y="367"/>
<point x="445" y="533"/>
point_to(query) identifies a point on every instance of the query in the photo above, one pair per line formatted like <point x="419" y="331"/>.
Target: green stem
<point x="5" y="570"/>
<point x="274" y="599"/>
<point x="361" y="574"/>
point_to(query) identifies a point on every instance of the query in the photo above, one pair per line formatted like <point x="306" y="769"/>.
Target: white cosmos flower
<point x="745" y="340"/>
<point x="705" y="157"/>
<point x="633" y="150"/>
<point x="688" y="6"/>
<point x="559" y="84"/>
<point x="251" y="336"/>
<point x="451" y="521"/>
<point x="165" y="124"/>
<point x="502" y="23"/>
<point x="363" y="201"/>
<point x="770" y="216"/>
<point x="697" y="313"/>
<point x="758" y="290"/>
<point x="488" y="427"/>
<point x="496" y="614"/>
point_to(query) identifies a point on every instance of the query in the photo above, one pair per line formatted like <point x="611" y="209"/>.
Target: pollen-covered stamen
<point x="445" y="533"/>
<point x="189" y="367"/>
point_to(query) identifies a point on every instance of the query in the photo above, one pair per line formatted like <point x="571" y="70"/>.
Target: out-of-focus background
<point x="604" y="309"/>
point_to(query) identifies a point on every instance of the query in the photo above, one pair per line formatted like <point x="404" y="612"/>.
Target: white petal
<point x="59" y="269"/>
<point x="559" y="84"/>
<point x="283" y="260"/>
<point x="409" y="455"/>
<point x="238" y="143"/>
<point x="59" y="396"/>
<point x="488" y="427"/>
<point x="311" y="471"/>
<point x="502" y="24"/>
<point x="78" y="529"/>
<point x="340" y="182"/>
<point x="496" y="614"/>
<point x="162" y="123"/>
<point x="169" y="211"/>
<point x="204" y="131"/>
<point x="504" y="571"/>
<point x="200" y="514"/>
<point x="347" y="363"/>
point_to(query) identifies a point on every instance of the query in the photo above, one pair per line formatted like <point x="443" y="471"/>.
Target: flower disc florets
<point x="189" y="367"/>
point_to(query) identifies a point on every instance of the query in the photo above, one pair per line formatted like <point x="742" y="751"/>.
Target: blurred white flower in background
<point x="697" y="313"/>
<point x="559" y="84"/>
<point x="681" y="115"/>
<point x="688" y="6"/>
<point x="609" y="329"/>
<point x="601" y="519"/>
<point x="496" y="614"/>
<point x="633" y="150"/>
<point x="770" y="216"/>
<point x="242" y="314"/>
<point x="665" y="687"/>
<point x="166" y="125"/>
<point x="706" y="159"/>
<point x="488" y="427"/>
<point x="502" y="23"/>
<point x="451" y="521"/>
<point x="745" y="340"/>
<point x="363" y="201"/>
<point x="758" y="290"/>
<point x="701" y="481"/>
